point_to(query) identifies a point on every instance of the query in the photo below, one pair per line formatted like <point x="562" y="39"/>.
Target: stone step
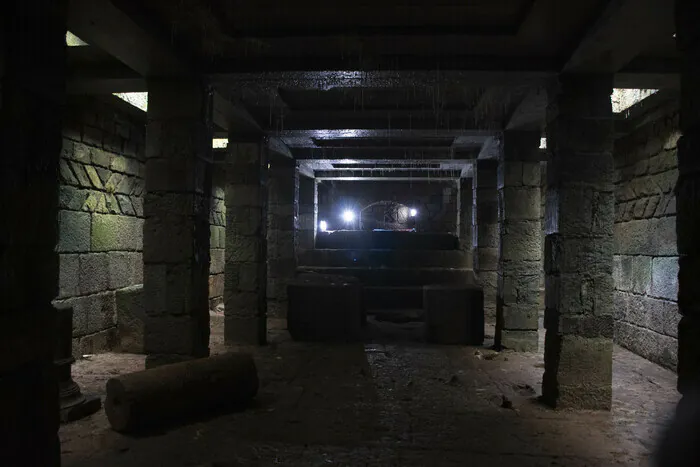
<point x="385" y="258"/>
<point x="393" y="298"/>
<point x="407" y="277"/>
<point x="394" y="240"/>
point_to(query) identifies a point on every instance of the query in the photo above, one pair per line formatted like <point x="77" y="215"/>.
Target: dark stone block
<point x="325" y="308"/>
<point x="454" y="314"/>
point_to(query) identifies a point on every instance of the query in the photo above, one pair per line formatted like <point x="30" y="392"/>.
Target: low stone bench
<point x="324" y="307"/>
<point x="454" y="314"/>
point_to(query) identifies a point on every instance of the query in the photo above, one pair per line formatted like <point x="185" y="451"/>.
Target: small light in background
<point x="348" y="216"/>
<point x="413" y="212"/>
<point x="323" y="226"/>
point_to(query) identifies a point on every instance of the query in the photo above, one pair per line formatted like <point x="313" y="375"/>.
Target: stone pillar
<point x="307" y="213"/>
<point x="579" y="244"/>
<point x="465" y="203"/>
<point x="485" y="232"/>
<point x="316" y="219"/>
<point x="519" y="261"/>
<point x="176" y="226"/>
<point x="245" y="271"/>
<point x="282" y="227"/>
<point x="688" y="198"/>
<point x="32" y="87"/>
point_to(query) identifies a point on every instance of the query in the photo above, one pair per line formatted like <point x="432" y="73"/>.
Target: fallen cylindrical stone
<point x="164" y="394"/>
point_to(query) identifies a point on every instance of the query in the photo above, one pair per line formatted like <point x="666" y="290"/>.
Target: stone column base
<point x="245" y="331"/>
<point x="520" y="341"/>
<point x="578" y="372"/>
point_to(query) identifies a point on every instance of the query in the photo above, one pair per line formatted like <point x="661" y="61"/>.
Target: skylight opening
<point x="137" y="99"/>
<point x="623" y="99"/>
<point x="74" y="41"/>
<point x="220" y="143"/>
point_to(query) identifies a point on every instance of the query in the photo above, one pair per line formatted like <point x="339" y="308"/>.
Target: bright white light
<point x="323" y="225"/>
<point x="348" y="216"/>
<point x="413" y="212"/>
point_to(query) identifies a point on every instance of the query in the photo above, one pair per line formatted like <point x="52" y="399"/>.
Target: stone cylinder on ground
<point x="144" y="399"/>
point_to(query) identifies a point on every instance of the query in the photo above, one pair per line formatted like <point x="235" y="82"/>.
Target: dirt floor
<point x="393" y="401"/>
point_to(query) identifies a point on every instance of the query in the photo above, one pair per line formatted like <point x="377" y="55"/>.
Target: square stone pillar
<point x="32" y="87"/>
<point x="245" y="271"/>
<point x="519" y="261"/>
<point x="465" y="203"/>
<point x="282" y="227"/>
<point x="316" y="219"/>
<point x="688" y="198"/>
<point x="307" y="213"/>
<point x="176" y="226"/>
<point x="485" y="232"/>
<point x="579" y="244"/>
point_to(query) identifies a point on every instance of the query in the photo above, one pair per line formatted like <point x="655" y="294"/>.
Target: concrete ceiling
<point x="373" y="81"/>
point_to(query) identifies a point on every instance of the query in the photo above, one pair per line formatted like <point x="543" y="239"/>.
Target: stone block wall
<point x="217" y="242"/>
<point x="436" y="202"/>
<point x="646" y="258"/>
<point x="101" y="216"/>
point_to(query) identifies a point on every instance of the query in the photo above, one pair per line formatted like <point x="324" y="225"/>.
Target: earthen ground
<point x="394" y="401"/>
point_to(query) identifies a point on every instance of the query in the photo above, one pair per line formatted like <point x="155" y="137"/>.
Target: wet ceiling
<point x="371" y="81"/>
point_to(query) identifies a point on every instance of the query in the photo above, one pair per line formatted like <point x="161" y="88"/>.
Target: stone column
<point x="688" y="198"/>
<point x="307" y="213"/>
<point x="465" y="203"/>
<point x="282" y="227"/>
<point x="485" y="232"/>
<point x="245" y="271"/>
<point x="519" y="261"/>
<point x="32" y="87"/>
<point x="316" y="219"/>
<point x="176" y="226"/>
<point x="579" y="244"/>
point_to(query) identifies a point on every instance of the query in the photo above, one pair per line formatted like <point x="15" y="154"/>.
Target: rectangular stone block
<point x="325" y="311"/>
<point x="216" y="265"/>
<point x="92" y="313"/>
<point x="488" y="259"/>
<point x="216" y="286"/>
<point x="130" y="319"/>
<point x="519" y="341"/>
<point x="519" y="317"/>
<point x="177" y="335"/>
<point x="520" y="203"/>
<point x="651" y="345"/>
<point x="69" y="275"/>
<point x="73" y="232"/>
<point x="454" y="314"/>
<point x="521" y="241"/>
<point x="664" y="278"/>
<point x="575" y="294"/>
<point x="94" y="273"/>
<point x="125" y="269"/>
<point x="651" y="237"/>
<point x="578" y="372"/>
<point x="488" y="235"/>
<point x="116" y="233"/>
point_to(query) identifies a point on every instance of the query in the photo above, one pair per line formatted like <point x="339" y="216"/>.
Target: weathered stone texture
<point x="176" y="232"/>
<point x="579" y="311"/>
<point x="466" y="202"/>
<point x="217" y="240"/>
<point x="520" y="228"/>
<point x="101" y="176"/>
<point x="485" y="232"/>
<point x="307" y="213"/>
<point x="245" y="269"/>
<point x="646" y="255"/>
<point x="282" y="227"/>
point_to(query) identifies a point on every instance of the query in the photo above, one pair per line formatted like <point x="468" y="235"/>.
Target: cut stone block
<point x="325" y="308"/>
<point x="131" y="317"/>
<point x="454" y="314"/>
